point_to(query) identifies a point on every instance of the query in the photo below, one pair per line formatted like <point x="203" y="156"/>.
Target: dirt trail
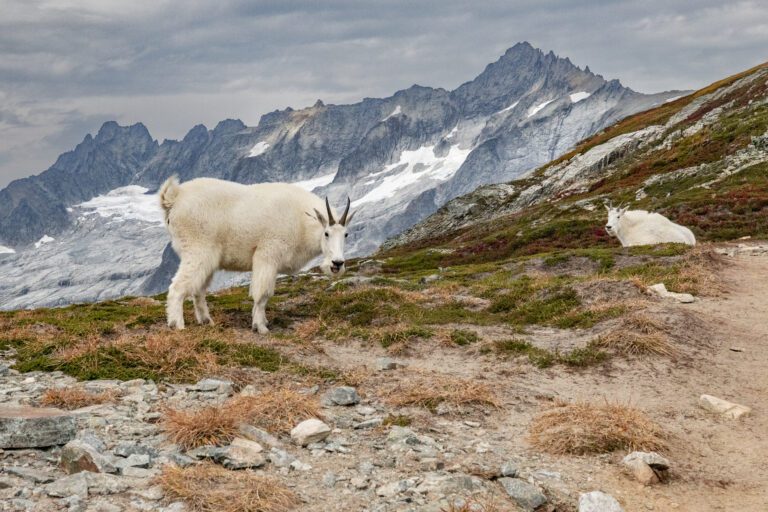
<point x="718" y="464"/>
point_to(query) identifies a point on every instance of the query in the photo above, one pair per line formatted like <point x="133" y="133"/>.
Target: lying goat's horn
<point x="343" y="219"/>
<point x="331" y="221"/>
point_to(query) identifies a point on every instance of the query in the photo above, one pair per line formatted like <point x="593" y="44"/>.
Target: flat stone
<point x="728" y="409"/>
<point x="127" y="448"/>
<point x="100" y="483"/>
<point x="310" y="431"/>
<point x="35" y="427"/>
<point x="343" y="395"/>
<point x="448" y="484"/>
<point x="33" y="475"/>
<point x="134" y="460"/>
<point x="526" y="495"/>
<point x="597" y="501"/>
<point x="371" y="423"/>
<point x="241" y="454"/>
<point x="133" y="472"/>
<point x="386" y="363"/>
<point x="211" y="385"/>
<point x="72" y="485"/>
<point x="90" y="437"/>
<point x="154" y="493"/>
<point x="258" y="435"/>
<point x="395" y="488"/>
<point x="77" y="456"/>
<point x="653" y="459"/>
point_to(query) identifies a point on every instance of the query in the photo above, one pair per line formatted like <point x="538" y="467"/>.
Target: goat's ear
<point x="624" y="210"/>
<point x="318" y="217"/>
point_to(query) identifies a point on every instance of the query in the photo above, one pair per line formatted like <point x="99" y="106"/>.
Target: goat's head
<point x="614" y="216"/>
<point x="333" y="238"/>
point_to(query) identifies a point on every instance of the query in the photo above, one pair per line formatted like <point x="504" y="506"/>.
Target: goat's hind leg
<point x="202" y="315"/>
<point x="262" y="288"/>
<point x="189" y="279"/>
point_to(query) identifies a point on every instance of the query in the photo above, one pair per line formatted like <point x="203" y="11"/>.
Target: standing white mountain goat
<point x="268" y="228"/>
<point x="639" y="227"/>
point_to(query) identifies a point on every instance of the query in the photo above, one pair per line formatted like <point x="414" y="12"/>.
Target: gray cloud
<point x="67" y="65"/>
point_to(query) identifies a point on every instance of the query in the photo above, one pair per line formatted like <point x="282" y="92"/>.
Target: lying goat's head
<point x="614" y="216"/>
<point x="333" y="238"/>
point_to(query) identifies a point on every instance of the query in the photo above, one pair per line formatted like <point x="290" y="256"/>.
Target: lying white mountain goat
<point x="639" y="227"/>
<point x="268" y="228"/>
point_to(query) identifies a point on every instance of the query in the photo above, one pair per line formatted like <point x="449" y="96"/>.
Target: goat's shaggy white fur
<point x="267" y="228"/>
<point x="640" y="227"/>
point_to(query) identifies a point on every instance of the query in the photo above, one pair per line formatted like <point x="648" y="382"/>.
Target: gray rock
<point x="34" y="427"/>
<point x="133" y="472"/>
<point x="154" y="493"/>
<point x="258" y="435"/>
<point x="386" y="363"/>
<point x="343" y="395"/>
<point x="371" y="423"/>
<point x="104" y="484"/>
<point x="241" y="454"/>
<point x="79" y="456"/>
<point x="597" y="501"/>
<point x="210" y="385"/>
<point x="653" y="459"/>
<point x="509" y="469"/>
<point x="133" y="461"/>
<point x="206" y="452"/>
<point x="310" y="431"/>
<point x="89" y="436"/>
<point x="329" y="480"/>
<point x="366" y="467"/>
<point x="180" y="459"/>
<point x="33" y="475"/>
<point x="395" y="488"/>
<point x="448" y="484"/>
<point x="127" y="448"/>
<point x="280" y="458"/>
<point x="72" y="485"/>
<point x="526" y="495"/>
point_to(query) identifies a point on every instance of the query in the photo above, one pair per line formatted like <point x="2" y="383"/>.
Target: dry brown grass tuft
<point x="429" y="390"/>
<point x="638" y="334"/>
<point x="582" y="428"/>
<point x="216" y="424"/>
<point x="276" y="410"/>
<point x="698" y="272"/>
<point x="75" y="398"/>
<point x="308" y="329"/>
<point x="210" y="488"/>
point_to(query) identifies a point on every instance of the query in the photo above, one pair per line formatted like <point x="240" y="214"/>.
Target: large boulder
<point x="35" y="427"/>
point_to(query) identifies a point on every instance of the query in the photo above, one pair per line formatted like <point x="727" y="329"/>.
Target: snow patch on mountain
<point x="509" y="107"/>
<point x="418" y="165"/>
<point x="125" y="203"/>
<point x="258" y="148"/>
<point x="314" y="183"/>
<point x="578" y="96"/>
<point x="394" y="113"/>
<point x="44" y="240"/>
<point x="6" y="250"/>
<point x="533" y="110"/>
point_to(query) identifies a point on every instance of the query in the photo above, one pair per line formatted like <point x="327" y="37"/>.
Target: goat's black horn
<point x="343" y="219"/>
<point x="331" y="221"/>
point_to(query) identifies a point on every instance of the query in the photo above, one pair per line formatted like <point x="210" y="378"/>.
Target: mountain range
<point x="88" y="227"/>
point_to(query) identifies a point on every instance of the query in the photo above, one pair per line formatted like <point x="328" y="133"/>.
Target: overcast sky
<point x="68" y="65"/>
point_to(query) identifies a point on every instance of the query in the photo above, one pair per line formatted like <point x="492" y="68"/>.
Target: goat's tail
<point x="168" y="192"/>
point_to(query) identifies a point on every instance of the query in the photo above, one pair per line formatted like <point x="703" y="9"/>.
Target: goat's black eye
<point x="346" y="235"/>
<point x="326" y="234"/>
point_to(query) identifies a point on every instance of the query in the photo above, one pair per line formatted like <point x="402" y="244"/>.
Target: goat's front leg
<point x="262" y="288"/>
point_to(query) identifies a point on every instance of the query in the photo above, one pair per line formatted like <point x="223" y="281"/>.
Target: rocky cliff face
<point x="399" y="158"/>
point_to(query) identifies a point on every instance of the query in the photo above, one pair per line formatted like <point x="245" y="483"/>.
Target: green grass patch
<point x="463" y="337"/>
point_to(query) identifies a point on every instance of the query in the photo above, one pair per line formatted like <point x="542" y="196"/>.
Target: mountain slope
<point x="701" y="160"/>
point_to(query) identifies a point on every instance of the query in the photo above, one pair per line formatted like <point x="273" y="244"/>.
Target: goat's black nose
<point x="338" y="263"/>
